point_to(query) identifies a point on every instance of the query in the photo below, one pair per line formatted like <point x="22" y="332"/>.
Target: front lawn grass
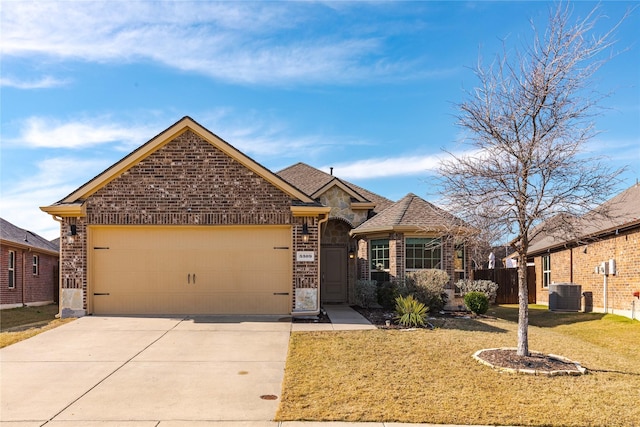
<point x="18" y="324"/>
<point x="430" y="377"/>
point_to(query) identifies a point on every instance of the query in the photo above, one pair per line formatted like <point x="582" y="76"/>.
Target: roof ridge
<point x="404" y="204"/>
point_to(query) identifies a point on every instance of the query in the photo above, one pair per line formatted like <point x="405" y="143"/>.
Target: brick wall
<point x="362" y="255"/>
<point x="448" y="259"/>
<point x="187" y="181"/>
<point x="305" y="273"/>
<point x="542" y="294"/>
<point x="577" y="265"/>
<point x="38" y="288"/>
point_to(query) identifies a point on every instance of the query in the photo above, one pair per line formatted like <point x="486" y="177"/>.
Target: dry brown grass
<point x="429" y="376"/>
<point x="18" y="324"/>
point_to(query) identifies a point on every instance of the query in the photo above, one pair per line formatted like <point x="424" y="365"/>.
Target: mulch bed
<point x="379" y="317"/>
<point x="507" y="359"/>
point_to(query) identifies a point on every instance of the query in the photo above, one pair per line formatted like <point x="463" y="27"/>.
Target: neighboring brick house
<point x="187" y="224"/>
<point x="579" y="260"/>
<point x="29" y="268"/>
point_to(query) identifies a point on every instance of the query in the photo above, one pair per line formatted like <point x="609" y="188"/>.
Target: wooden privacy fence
<point x="507" y="280"/>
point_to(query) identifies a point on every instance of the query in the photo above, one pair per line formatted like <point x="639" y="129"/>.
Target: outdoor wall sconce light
<point x="352" y="254"/>
<point x="73" y="231"/>
<point x="305" y="233"/>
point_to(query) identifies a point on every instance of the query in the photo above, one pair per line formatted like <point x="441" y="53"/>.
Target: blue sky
<point x="367" y="88"/>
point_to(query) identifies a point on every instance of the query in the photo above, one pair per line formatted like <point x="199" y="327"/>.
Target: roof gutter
<point x="29" y="248"/>
<point x="77" y="209"/>
<point x="574" y="243"/>
<point x="406" y="229"/>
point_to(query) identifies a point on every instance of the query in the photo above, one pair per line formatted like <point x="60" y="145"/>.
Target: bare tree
<point x="528" y="122"/>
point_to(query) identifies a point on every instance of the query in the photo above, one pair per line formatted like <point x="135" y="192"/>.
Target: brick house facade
<point x="576" y="260"/>
<point x="29" y="268"/>
<point x="189" y="184"/>
<point x="185" y="176"/>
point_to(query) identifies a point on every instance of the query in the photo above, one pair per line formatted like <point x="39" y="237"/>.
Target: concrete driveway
<point x="145" y="371"/>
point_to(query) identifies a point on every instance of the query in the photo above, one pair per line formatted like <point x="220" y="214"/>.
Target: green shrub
<point x="410" y="312"/>
<point x="387" y="294"/>
<point x="428" y="287"/>
<point x="366" y="293"/>
<point x="477" y="302"/>
<point x="487" y="287"/>
<point x="404" y="287"/>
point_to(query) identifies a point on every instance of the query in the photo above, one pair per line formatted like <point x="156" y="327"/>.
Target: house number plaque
<point x="305" y="256"/>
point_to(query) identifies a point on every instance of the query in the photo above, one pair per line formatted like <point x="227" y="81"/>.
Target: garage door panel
<point x="191" y="270"/>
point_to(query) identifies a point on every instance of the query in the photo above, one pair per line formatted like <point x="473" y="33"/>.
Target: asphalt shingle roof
<point x="309" y="179"/>
<point x="15" y="234"/>
<point x="411" y="211"/>
<point x="623" y="211"/>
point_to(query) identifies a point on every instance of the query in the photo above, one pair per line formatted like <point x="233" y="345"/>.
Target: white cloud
<point x="40" y="132"/>
<point x="42" y="83"/>
<point x="267" y="138"/>
<point x="232" y="41"/>
<point x="616" y="149"/>
<point x="388" y="167"/>
<point x="52" y="179"/>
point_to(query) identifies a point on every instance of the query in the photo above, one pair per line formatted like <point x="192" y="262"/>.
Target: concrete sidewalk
<point x="343" y="318"/>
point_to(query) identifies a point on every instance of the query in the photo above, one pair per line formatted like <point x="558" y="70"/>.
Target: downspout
<point x="23" y="282"/>
<point x="571" y="265"/>
<point x="606" y="310"/>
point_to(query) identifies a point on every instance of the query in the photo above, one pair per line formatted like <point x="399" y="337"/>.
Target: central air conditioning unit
<point x="565" y="297"/>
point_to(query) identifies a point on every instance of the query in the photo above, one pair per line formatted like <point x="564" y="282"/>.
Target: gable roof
<point x="315" y="182"/>
<point x="411" y="213"/>
<point x="20" y="237"/>
<point x="73" y="204"/>
<point x="622" y="212"/>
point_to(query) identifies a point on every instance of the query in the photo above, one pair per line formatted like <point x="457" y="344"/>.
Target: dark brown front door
<point x="333" y="274"/>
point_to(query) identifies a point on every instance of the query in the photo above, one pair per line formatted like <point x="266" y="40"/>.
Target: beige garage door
<point x="190" y="270"/>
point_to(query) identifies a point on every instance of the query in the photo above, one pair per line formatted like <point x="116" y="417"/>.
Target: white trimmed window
<point x="380" y="255"/>
<point x="421" y="253"/>
<point x="546" y="271"/>
<point x="36" y="265"/>
<point x="11" y="269"/>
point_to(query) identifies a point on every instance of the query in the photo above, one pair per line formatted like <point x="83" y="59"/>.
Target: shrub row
<point x="487" y="287"/>
<point x="427" y="286"/>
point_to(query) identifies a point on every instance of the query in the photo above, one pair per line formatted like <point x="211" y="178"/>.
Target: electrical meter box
<point x="604" y="268"/>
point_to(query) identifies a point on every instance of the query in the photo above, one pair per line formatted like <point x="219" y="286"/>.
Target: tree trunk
<point x="523" y="312"/>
